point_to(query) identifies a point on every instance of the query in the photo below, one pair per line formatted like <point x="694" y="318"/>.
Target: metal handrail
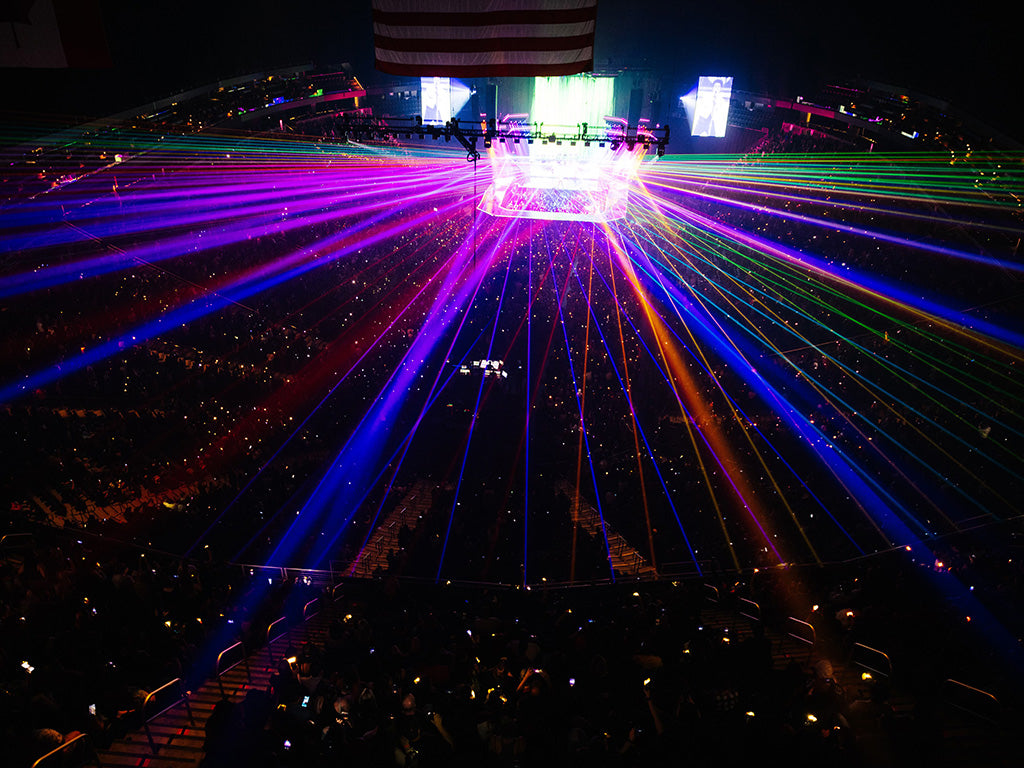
<point x="878" y="669"/>
<point x="306" y="615"/>
<point x="711" y="593"/>
<point x="63" y="747"/>
<point x="800" y="625"/>
<point x="183" y="696"/>
<point x="270" y="629"/>
<point x="243" y="660"/>
<point x="985" y="696"/>
<point x="282" y="571"/>
<point x="750" y="609"/>
<point x="17" y="537"/>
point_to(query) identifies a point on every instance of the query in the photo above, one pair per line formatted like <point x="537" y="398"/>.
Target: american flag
<point x="484" y="38"/>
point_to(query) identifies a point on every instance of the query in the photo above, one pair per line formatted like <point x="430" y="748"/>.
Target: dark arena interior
<point x="522" y="383"/>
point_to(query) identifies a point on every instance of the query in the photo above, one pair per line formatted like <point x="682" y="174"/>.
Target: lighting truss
<point x="617" y="133"/>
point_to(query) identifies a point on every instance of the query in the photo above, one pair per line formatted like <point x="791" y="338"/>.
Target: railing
<point x="686" y="569"/>
<point x="802" y="632"/>
<point x="711" y="594"/>
<point x="749" y="608"/>
<point x="270" y="571"/>
<point x="973" y="701"/>
<point x="222" y="671"/>
<point x="271" y="637"/>
<point x="633" y="564"/>
<point x="307" y="613"/>
<point x="283" y="573"/>
<point x="15" y="540"/>
<point x="871" y="660"/>
<point x="79" y="741"/>
<point x="182" y="697"/>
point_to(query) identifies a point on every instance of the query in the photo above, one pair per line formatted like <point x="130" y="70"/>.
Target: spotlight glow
<point x="566" y="101"/>
<point x="728" y="362"/>
<point x="568" y="183"/>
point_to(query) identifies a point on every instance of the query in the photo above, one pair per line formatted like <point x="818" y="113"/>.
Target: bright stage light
<point x="711" y="110"/>
<point x="548" y="181"/>
<point x="688" y="104"/>
<point x="569" y="101"/>
<point x="441" y="98"/>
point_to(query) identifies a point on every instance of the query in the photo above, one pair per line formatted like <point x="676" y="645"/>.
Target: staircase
<point x="626" y="560"/>
<point x="384" y="540"/>
<point x="51" y="517"/>
<point x="177" y="739"/>
<point x="793" y="641"/>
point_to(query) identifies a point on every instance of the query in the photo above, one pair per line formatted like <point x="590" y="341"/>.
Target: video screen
<point x="712" y="109"/>
<point x="435" y="100"/>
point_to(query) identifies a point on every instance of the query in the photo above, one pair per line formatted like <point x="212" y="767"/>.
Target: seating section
<point x="382" y="672"/>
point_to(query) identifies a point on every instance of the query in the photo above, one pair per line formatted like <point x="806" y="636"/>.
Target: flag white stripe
<point x="486" y="58"/>
<point x="480" y="6"/>
<point x="463" y="36"/>
<point x="409" y="32"/>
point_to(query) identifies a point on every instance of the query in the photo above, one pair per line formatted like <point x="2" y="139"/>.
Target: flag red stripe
<point x="482" y="44"/>
<point x="485" y="70"/>
<point x="484" y="19"/>
<point x="454" y="39"/>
